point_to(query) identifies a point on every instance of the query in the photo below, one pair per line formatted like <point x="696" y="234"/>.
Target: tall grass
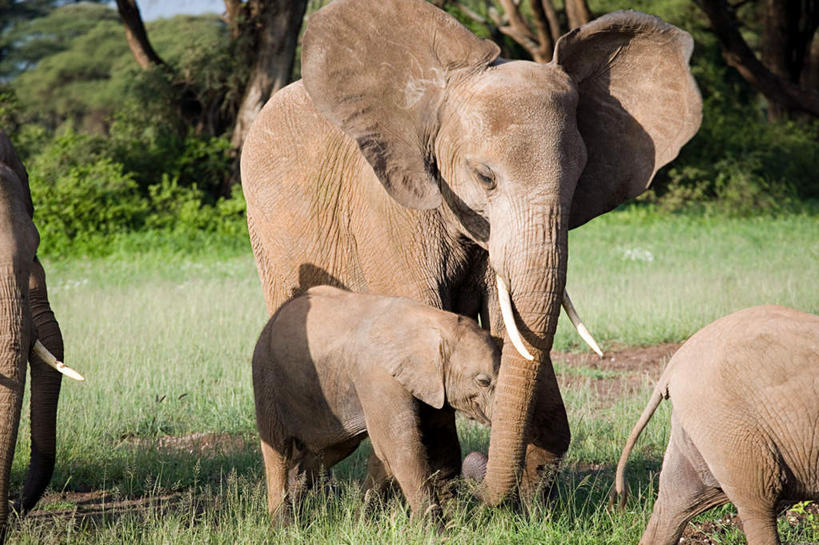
<point x="165" y="341"/>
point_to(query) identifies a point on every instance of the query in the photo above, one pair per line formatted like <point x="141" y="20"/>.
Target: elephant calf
<point x="744" y="425"/>
<point x="332" y="367"/>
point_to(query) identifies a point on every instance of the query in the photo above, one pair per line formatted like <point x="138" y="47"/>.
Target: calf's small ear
<point x="413" y="353"/>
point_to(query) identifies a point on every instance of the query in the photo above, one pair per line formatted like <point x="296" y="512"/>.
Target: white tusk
<point x="50" y="360"/>
<point x="578" y="324"/>
<point x="509" y="319"/>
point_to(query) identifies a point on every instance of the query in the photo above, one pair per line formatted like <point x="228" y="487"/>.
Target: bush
<point x="86" y="199"/>
<point x="85" y="204"/>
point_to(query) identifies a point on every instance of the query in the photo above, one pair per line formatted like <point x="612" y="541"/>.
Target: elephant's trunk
<point x="15" y="339"/>
<point x="45" y="392"/>
<point x="535" y="265"/>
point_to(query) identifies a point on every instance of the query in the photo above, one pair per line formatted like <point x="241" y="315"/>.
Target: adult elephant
<point x="412" y="160"/>
<point x="25" y="317"/>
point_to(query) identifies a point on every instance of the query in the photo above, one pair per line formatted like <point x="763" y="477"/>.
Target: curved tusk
<point x="509" y="319"/>
<point x="43" y="353"/>
<point x="578" y="324"/>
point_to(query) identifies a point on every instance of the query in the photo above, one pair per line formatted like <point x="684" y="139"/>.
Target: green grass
<point x="640" y="278"/>
<point x="165" y="341"/>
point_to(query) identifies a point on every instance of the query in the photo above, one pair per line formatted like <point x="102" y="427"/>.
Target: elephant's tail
<point x="660" y="393"/>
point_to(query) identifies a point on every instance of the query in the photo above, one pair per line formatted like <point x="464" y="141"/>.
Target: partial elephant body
<point x="25" y="315"/>
<point x="332" y="367"/>
<point x="743" y="429"/>
<point x="412" y="161"/>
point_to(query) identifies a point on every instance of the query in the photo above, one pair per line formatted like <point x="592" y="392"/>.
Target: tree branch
<point x="141" y="49"/>
<point x="519" y="30"/>
<point x="737" y="54"/>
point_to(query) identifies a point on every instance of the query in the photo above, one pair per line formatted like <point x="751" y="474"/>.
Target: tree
<point x="535" y="26"/>
<point x="268" y="31"/>
<point x="135" y="33"/>
<point x="23" y="40"/>
<point x="788" y="71"/>
<point x="264" y="34"/>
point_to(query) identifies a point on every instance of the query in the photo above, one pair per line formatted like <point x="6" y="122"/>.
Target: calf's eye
<point x="484" y="175"/>
<point x="483" y="380"/>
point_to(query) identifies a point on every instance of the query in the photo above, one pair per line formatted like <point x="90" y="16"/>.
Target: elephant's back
<point x="769" y="344"/>
<point x="750" y="381"/>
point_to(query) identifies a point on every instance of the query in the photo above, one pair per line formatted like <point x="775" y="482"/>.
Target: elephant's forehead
<point x="516" y="96"/>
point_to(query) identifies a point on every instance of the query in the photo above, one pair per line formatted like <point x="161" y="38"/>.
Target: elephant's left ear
<point x="638" y="104"/>
<point x="412" y="349"/>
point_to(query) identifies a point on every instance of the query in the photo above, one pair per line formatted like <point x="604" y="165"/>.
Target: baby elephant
<point x="332" y="367"/>
<point x="745" y="391"/>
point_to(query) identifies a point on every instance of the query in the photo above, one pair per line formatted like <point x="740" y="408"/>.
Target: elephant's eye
<point x="483" y="380"/>
<point x="484" y="175"/>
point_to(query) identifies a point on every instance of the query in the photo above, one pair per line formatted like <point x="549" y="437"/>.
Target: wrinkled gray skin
<point x="332" y="367"/>
<point x="25" y="315"/>
<point x="412" y="161"/>
<point x="745" y="391"/>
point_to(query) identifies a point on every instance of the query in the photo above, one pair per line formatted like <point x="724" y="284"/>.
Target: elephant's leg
<point x="397" y="441"/>
<point x="440" y="437"/>
<point x="404" y="458"/>
<point x="275" y="468"/>
<point x="759" y="524"/>
<point x="379" y="480"/>
<point x="549" y="436"/>
<point x="314" y="467"/>
<point x="686" y="489"/>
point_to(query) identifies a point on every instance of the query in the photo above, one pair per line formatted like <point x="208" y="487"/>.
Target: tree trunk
<point x="578" y="13"/>
<point x="810" y="73"/>
<point x="135" y="33"/>
<point x="782" y="94"/>
<point x="279" y="23"/>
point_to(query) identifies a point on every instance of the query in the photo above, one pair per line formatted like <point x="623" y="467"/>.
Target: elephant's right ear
<point x="379" y="70"/>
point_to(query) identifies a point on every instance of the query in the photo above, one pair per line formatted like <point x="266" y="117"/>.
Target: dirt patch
<point x="194" y="443"/>
<point x="629" y="359"/>
<point x="98" y="503"/>
<point x="711" y="532"/>
<point x="621" y="372"/>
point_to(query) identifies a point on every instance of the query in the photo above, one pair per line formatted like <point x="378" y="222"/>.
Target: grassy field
<point x="165" y="341"/>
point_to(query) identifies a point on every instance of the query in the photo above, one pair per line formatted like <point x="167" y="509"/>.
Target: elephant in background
<point x="411" y="160"/>
<point x="332" y="367"/>
<point x="743" y="429"/>
<point x="25" y="317"/>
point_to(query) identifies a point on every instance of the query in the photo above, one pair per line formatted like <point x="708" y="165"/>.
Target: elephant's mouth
<point x="480" y="416"/>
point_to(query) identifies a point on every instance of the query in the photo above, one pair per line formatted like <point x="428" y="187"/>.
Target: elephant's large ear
<point x="8" y="157"/>
<point x="413" y="350"/>
<point x="638" y="104"/>
<point x="379" y="70"/>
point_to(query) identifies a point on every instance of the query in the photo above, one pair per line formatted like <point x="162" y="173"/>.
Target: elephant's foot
<point x="539" y="476"/>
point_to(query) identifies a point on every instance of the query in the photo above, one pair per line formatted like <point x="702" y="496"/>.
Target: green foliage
<point x="86" y="198"/>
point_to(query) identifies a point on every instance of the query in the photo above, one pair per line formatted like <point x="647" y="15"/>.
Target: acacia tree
<point x="264" y="34"/>
<point x="788" y="72"/>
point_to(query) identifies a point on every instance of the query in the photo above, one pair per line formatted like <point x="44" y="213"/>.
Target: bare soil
<point x="621" y="372"/>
